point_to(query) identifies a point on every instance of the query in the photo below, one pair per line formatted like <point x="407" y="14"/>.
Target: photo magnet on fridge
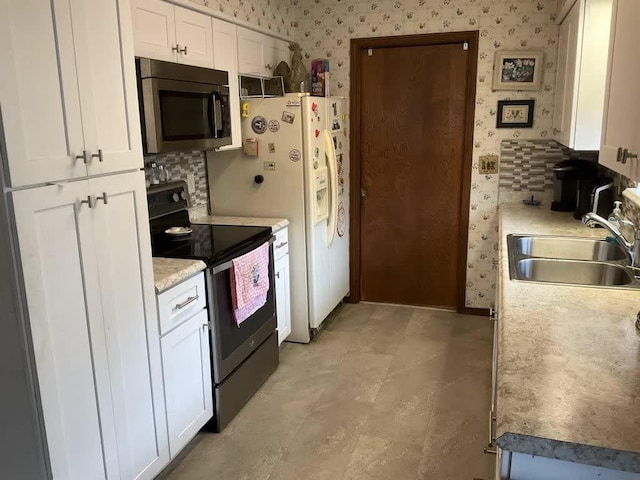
<point x="259" y="124"/>
<point x="288" y="117"/>
<point x="274" y="126"/>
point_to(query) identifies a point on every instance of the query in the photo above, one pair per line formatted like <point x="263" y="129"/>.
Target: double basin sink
<point x="569" y="261"/>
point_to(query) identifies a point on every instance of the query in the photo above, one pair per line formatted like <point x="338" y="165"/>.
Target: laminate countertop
<point x="568" y="384"/>
<point x="275" y="223"/>
<point x="169" y="272"/>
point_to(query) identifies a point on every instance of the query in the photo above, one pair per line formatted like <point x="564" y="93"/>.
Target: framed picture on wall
<point x="517" y="70"/>
<point x="515" y="113"/>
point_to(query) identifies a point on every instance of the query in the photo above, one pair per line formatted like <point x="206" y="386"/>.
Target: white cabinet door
<point x="621" y="126"/>
<point x="39" y="92"/>
<point x="193" y="35"/>
<point x="154" y="28"/>
<point x="275" y="51"/>
<point x="62" y="292"/>
<point x="130" y="328"/>
<point x="566" y="76"/>
<point x="283" y="300"/>
<point x="250" y="52"/>
<point x="107" y="80"/>
<point x="187" y="380"/>
<point x="225" y="57"/>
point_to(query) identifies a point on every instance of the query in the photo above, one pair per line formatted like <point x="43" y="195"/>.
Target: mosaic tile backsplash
<point x="526" y="165"/>
<point x="179" y="165"/>
<point x="324" y="30"/>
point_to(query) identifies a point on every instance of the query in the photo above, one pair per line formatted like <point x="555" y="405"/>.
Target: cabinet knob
<point x="277" y="274"/>
<point x="268" y="66"/>
<point x="103" y="197"/>
<point x="98" y="155"/>
<point x="88" y="201"/>
<point x="176" y="48"/>
<point x="626" y="155"/>
<point x="84" y="157"/>
<point x="619" y="154"/>
<point x="183" y="50"/>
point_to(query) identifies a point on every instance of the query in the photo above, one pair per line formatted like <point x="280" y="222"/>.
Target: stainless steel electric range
<point x="242" y="357"/>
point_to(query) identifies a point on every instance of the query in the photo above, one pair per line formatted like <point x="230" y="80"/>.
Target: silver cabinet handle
<point x="206" y="325"/>
<point x="103" y="198"/>
<point x="619" y="154"/>
<point x="88" y="201"/>
<point x="84" y="157"/>
<point x="183" y="50"/>
<point x="278" y="276"/>
<point x="176" y="48"/>
<point x="98" y="155"/>
<point x="280" y="245"/>
<point x="268" y="66"/>
<point x="188" y="301"/>
<point x="626" y="155"/>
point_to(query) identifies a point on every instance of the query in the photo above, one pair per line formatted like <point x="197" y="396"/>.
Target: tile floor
<point x="384" y="392"/>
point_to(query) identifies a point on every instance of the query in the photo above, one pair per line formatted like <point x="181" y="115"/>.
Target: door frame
<point x="359" y="44"/>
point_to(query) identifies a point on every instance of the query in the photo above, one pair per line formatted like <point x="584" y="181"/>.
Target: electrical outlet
<point x="191" y="183"/>
<point x="488" y="164"/>
<point x="269" y="166"/>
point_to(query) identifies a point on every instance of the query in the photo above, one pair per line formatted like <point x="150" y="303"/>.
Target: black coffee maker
<point x="573" y="185"/>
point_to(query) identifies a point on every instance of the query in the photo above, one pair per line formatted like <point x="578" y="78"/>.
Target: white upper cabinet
<point x="225" y="57"/>
<point x="166" y="32"/>
<point x="581" y="74"/>
<point x="621" y="126"/>
<point x="259" y="54"/>
<point x="68" y="91"/>
<point x="39" y="92"/>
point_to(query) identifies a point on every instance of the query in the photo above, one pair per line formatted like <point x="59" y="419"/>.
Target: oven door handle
<point x="227" y="265"/>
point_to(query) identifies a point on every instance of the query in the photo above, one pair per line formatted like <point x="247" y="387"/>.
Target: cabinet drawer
<point x="281" y="244"/>
<point x="181" y="302"/>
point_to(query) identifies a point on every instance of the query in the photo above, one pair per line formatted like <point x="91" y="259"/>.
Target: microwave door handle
<point x="216" y="115"/>
<point x="213" y="121"/>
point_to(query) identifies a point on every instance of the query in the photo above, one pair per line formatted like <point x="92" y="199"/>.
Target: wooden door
<point x="154" y="29"/>
<point x="39" y="92"/>
<point x="107" y="81"/>
<point x="62" y="288"/>
<point x="621" y="124"/>
<point x="187" y="380"/>
<point x="193" y="34"/>
<point x="131" y="363"/>
<point x="413" y="132"/>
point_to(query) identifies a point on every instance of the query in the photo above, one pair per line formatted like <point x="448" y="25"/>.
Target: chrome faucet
<point x="632" y="248"/>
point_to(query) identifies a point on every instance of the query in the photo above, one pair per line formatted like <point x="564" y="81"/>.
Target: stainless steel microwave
<point x="182" y="108"/>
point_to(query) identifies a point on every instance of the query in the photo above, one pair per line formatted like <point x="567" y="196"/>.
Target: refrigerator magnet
<point x="288" y="117"/>
<point x="259" y="124"/>
<point x="274" y="126"/>
<point x="341" y="223"/>
<point x="295" y="155"/>
<point x="272" y="148"/>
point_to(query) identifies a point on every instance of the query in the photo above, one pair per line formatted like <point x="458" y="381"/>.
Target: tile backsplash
<point x="179" y="166"/>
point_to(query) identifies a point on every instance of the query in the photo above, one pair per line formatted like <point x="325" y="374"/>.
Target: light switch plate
<point x="488" y="164"/>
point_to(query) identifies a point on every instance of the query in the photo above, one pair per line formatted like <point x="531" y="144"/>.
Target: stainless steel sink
<point x="569" y="261"/>
<point x="573" y="272"/>
<point x="571" y="248"/>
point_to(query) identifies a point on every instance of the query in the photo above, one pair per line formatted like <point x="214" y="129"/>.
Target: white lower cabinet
<point x="86" y="260"/>
<point x="187" y="380"/>
<point x="283" y="288"/>
<point x="186" y="361"/>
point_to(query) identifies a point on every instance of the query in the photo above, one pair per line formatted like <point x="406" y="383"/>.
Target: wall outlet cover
<point x="488" y="164"/>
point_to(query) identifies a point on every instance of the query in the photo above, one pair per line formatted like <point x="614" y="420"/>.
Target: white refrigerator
<point x="297" y="169"/>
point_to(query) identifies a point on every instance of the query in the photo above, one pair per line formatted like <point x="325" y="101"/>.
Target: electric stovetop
<point x="213" y="244"/>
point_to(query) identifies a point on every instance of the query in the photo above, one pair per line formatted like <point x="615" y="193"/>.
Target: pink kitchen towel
<point x="249" y="282"/>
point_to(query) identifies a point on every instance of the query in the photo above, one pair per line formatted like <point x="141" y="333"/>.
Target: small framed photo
<point x="515" y="114"/>
<point x="517" y="70"/>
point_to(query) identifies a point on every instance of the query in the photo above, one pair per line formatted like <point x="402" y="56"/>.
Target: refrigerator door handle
<point x="332" y="165"/>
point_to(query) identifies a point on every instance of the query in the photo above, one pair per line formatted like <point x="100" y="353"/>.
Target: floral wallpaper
<point x="324" y="29"/>
<point x="274" y="15"/>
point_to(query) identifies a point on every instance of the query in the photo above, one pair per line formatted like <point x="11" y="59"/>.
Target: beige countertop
<point x="568" y="384"/>
<point x="275" y="223"/>
<point x="168" y="272"/>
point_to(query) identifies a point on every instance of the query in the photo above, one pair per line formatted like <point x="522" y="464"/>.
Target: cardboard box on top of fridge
<point x="320" y="78"/>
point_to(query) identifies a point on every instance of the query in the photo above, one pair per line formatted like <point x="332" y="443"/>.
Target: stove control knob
<point x="175" y="197"/>
<point x="183" y="195"/>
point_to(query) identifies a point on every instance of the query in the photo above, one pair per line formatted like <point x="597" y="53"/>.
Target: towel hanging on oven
<point x="249" y="282"/>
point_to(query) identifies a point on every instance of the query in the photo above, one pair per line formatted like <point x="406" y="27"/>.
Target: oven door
<point x="232" y="344"/>
<point x="184" y="116"/>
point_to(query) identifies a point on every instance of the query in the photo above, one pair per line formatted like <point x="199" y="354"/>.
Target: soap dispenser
<point x="616" y="215"/>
